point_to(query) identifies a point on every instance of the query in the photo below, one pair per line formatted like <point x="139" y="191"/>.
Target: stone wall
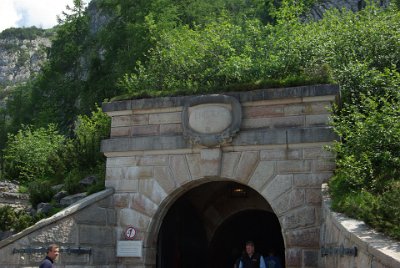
<point x="88" y="225"/>
<point x="278" y="151"/>
<point x="340" y="235"/>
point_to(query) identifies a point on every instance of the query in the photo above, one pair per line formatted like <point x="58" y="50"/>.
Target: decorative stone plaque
<point x="211" y="120"/>
<point x="129" y="248"/>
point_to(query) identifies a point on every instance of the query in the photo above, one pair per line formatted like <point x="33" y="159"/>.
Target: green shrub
<point x="14" y="220"/>
<point x="40" y="192"/>
<point x="366" y="184"/>
<point x="33" y="154"/>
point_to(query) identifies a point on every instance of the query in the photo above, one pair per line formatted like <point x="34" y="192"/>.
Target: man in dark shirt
<point x="52" y="254"/>
<point x="250" y="259"/>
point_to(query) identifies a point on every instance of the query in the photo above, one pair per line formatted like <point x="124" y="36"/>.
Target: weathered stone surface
<point x="293" y="166"/>
<point x="150" y="130"/>
<point x="297" y="197"/>
<point x="281" y="154"/>
<point x="210" y="118"/>
<point x="179" y="169"/>
<point x="194" y="162"/>
<point x="293" y="257"/>
<point x="62" y="232"/>
<point x="279" y="185"/>
<point x="302" y="217"/>
<point x="311" y="258"/>
<point x="210" y="162"/>
<point x="144" y="205"/>
<point x="303" y="238"/>
<point x="229" y="163"/>
<point x="165" y="118"/>
<point x="152" y="190"/>
<point x="93" y="216"/>
<point x="123" y="185"/>
<point x="262" y="175"/>
<point x="133" y="173"/>
<point x="311" y="179"/>
<point x="247" y="164"/>
<point x="164" y="178"/>
<point x="130" y="217"/>
<point x="96" y="235"/>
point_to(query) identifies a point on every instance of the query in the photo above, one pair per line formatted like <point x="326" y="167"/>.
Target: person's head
<point x="53" y="251"/>
<point x="250" y="248"/>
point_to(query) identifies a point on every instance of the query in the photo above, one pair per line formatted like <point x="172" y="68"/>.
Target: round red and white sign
<point x="130" y="232"/>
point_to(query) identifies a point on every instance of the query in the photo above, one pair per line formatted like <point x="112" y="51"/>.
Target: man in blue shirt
<point x="52" y="254"/>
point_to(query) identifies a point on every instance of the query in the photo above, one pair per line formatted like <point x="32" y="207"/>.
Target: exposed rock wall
<point x="20" y="59"/>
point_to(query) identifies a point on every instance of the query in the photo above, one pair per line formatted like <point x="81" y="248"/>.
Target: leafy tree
<point x="34" y="154"/>
<point x="89" y="132"/>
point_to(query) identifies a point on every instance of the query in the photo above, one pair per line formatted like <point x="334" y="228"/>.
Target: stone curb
<point x="382" y="248"/>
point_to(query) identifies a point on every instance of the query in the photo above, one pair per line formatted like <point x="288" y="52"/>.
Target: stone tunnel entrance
<point x="191" y="236"/>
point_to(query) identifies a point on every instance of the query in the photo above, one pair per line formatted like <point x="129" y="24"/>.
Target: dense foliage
<point x="170" y="47"/>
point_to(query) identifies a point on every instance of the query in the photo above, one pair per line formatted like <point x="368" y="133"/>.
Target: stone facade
<point x="278" y="152"/>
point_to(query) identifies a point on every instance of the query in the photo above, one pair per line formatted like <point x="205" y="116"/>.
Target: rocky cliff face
<point x="20" y="59"/>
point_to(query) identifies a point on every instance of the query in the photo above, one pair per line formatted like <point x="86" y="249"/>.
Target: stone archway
<point x="210" y="224"/>
<point x="269" y="140"/>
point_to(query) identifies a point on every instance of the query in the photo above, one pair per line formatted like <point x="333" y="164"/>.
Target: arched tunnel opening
<point x="208" y="226"/>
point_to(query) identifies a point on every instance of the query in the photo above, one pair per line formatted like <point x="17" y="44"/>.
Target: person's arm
<point x="262" y="262"/>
